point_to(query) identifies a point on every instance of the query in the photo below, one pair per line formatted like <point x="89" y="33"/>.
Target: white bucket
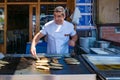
<point x="103" y="44"/>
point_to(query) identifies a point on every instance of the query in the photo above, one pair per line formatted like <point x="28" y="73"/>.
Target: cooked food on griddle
<point x="3" y="63"/>
<point x="56" y="67"/>
<point x="43" y="59"/>
<point x="42" y="67"/>
<point x="55" y="64"/>
<point x="55" y="60"/>
<point x="48" y="63"/>
<point x="41" y="63"/>
<point x="71" y="61"/>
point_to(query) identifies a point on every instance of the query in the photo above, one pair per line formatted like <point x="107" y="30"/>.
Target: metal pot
<point x="102" y="44"/>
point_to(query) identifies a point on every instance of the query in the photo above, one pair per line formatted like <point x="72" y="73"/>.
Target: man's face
<point x="59" y="18"/>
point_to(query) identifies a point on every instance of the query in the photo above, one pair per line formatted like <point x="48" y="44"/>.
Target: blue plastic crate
<point x="85" y="8"/>
<point x="86" y="20"/>
<point x="84" y="1"/>
<point x="41" y="47"/>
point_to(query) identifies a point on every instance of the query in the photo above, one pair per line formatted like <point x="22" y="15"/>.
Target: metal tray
<point x="104" y="62"/>
<point x="107" y="66"/>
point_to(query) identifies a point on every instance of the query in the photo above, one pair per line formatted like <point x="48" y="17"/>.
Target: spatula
<point x="37" y="57"/>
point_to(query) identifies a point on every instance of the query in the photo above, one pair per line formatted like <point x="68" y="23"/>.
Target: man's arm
<point x="35" y="40"/>
<point x="73" y="40"/>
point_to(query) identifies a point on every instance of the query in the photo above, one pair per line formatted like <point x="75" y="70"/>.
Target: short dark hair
<point x="59" y="9"/>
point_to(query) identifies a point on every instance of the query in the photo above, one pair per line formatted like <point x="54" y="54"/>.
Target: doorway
<point x="17" y="28"/>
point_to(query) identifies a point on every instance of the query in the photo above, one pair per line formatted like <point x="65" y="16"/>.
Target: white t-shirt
<point x="58" y="36"/>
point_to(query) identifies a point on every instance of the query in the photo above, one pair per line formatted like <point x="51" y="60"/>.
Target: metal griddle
<point x="16" y="71"/>
<point x="24" y="65"/>
<point x="14" y="64"/>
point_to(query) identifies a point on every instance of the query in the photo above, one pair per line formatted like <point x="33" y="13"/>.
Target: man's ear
<point x="64" y="16"/>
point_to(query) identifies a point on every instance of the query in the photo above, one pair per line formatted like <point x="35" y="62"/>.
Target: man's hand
<point x="72" y="43"/>
<point x="35" y="40"/>
<point x="33" y="51"/>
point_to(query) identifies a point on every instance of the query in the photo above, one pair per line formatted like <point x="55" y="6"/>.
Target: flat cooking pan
<point x="24" y="65"/>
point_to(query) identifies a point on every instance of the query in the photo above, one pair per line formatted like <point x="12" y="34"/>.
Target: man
<point x="58" y="32"/>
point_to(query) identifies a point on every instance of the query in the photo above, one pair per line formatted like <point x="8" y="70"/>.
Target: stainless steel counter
<point x="105" y="51"/>
<point x="107" y="67"/>
<point x="48" y="77"/>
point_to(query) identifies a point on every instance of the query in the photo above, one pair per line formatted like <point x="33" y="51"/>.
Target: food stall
<point x="23" y="66"/>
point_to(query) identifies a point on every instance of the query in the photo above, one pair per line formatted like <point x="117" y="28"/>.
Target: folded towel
<point x="75" y="16"/>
